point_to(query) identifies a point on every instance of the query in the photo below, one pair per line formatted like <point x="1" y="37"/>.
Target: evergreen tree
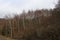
<point x="58" y="4"/>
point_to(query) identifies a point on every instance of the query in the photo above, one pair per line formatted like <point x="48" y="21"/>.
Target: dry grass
<point x="5" y="38"/>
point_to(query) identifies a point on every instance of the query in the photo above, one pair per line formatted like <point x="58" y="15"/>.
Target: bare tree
<point x="10" y="24"/>
<point x="23" y="19"/>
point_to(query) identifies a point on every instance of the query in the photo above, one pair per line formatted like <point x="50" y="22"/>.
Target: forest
<point x="41" y="24"/>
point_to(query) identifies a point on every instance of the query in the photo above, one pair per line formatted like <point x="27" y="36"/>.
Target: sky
<point x="17" y="6"/>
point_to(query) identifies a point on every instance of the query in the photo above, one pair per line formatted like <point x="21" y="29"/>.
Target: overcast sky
<point x="13" y="6"/>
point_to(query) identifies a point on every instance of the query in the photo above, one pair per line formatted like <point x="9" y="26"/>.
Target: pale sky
<point x="17" y="6"/>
